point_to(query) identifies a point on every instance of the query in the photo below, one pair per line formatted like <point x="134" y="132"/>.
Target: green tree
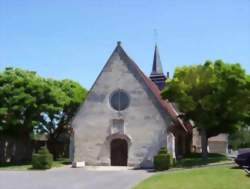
<point x="23" y="96"/>
<point x="28" y="101"/>
<point x="55" y="123"/>
<point x="216" y="96"/>
<point x="240" y="139"/>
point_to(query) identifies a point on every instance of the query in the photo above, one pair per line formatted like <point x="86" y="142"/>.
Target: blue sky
<point x="73" y="39"/>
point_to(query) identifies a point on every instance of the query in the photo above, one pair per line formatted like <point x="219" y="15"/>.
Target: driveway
<point x="71" y="178"/>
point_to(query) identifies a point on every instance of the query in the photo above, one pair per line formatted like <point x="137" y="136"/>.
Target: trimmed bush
<point x="163" y="160"/>
<point x="42" y="160"/>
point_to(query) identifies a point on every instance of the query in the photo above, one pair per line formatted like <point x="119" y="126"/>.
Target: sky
<point x="73" y="39"/>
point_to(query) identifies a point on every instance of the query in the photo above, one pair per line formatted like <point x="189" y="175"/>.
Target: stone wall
<point x="216" y="144"/>
<point x="144" y="123"/>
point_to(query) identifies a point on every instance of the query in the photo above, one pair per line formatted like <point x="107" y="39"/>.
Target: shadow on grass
<point x="236" y="167"/>
<point x="66" y="162"/>
<point x="195" y="159"/>
<point x="247" y="170"/>
<point x="10" y="164"/>
<point x="28" y="166"/>
<point x="62" y="161"/>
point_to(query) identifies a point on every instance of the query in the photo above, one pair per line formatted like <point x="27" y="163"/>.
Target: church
<point x="124" y="121"/>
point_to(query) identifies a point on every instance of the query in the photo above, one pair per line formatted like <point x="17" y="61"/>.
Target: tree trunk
<point x="51" y="145"/>
<point x="204" y="143"/>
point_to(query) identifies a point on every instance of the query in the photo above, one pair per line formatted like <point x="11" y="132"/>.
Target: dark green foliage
<point x="42" y="160"/>
<point x="163" y="150"/>
<point x="30" y="105"/>
<point x="163" y="160"/>
<point x="56" y="122"/>
<point x="28" y="100"/>
<point x="215" y="95"/>
<point x="195" y="159"/>
<point x="240" y="139"/>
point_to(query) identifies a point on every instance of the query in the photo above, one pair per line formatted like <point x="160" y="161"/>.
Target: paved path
<point x="71" y="178"/>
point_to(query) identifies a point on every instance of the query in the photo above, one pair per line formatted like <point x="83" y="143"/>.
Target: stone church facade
<point x="124" y="121"/>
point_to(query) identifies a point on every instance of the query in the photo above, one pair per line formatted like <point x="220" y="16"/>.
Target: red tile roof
<point x="166" y="106"/>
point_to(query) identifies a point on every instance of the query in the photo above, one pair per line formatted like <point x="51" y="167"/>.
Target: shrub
<point x="163" y="160"/>
<point x="42" y="160"/>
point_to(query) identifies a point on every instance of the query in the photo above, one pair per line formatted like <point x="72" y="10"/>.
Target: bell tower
<point x="157" y="75"/>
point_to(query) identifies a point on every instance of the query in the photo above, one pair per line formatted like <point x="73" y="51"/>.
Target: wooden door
<point x="119" y="152"/>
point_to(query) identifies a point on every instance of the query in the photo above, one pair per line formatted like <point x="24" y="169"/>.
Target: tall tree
<point x="28" y="101"/>
<point x="214" y="95"/>
<point x="23" y="95"/>
<point x="55" y="123"/>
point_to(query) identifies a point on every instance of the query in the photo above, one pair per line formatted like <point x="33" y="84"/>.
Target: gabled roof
<point x="164" y="104"/>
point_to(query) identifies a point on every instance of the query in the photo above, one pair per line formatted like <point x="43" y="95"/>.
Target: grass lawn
<point x="220" y="177"/>
<point x="195" y="159"/>
<point x="27" y="166"/>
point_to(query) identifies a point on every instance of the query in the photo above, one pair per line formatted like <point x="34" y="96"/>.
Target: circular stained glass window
<point x="119" y="100"/>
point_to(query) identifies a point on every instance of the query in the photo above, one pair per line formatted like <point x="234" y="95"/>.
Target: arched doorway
<point x="119" y="152"/>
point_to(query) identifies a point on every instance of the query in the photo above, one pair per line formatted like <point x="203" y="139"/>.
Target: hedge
<point x="163" y="160"/>
<point x="42" y="160"/>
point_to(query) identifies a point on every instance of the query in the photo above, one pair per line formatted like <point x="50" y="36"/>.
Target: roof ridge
<point x="165" y="104"/>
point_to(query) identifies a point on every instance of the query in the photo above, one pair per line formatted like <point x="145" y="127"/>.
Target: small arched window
<point x="119" y="100"/>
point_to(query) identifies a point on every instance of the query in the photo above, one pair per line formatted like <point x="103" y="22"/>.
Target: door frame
<point x="119" y="152"/>
<point x="125" y="137"/>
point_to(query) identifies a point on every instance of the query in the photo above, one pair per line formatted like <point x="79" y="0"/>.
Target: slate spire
<point x="157" y="67"/>
<point x="157" y="75"/>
